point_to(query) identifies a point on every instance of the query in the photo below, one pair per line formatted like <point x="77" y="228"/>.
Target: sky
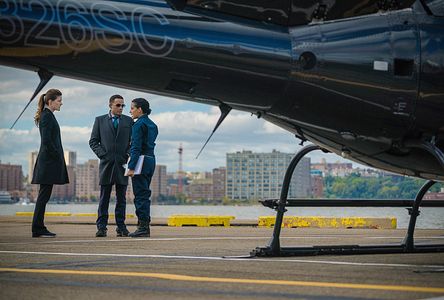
<point x="179" y="122"/>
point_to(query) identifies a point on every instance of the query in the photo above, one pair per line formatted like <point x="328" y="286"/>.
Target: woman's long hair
<point x="51" y="94"/>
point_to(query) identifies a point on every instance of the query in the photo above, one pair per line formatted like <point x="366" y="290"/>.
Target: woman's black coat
<point x="50" y="167"/>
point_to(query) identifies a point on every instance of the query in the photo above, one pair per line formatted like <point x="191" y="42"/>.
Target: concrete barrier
<point x="199" y="220"/>
<point x="330" y="222"/>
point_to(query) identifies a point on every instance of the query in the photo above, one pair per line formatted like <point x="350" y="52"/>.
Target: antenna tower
<point x="180" y="190"/>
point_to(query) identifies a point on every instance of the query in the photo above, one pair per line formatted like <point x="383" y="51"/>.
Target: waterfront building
<point x="11" y="178"/>
<point x="66" y="192"/>
<point x="87" y="184"/>
<point x="317" y="184"/>
<point x="219" y="183"/>
<point x="435" y="195"/>
<point x="70" y="158"/>
<point x="201" y="190"/>
<point x="159" y="183"/>
<point x="32" y="158"/>
<point x="333" y="169"/>
<point x="260" y="175"/>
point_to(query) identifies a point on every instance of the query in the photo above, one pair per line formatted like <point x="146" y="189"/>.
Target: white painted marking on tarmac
<point x="126" y="240"/>
<point x="223" y="259"/>
<point x="401" y="237"/>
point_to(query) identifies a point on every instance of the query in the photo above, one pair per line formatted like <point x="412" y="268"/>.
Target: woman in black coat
<point x="50" y="167"/>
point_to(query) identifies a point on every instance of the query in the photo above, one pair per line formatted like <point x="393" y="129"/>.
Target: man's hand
<point x="130" y="173"/>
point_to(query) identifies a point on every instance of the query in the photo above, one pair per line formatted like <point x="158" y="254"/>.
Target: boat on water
<point x="5" y="197"/>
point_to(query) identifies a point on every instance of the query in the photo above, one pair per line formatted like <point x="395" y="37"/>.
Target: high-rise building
<point x="201" y="190"/>
<point x="260" y="175"/>
<point x="66" y="192"/>
<point x="87" y="184"/>
<point x="11" y="177"/>
<point x="32" y="158"/>
<point x="317" y="184"/>
<point x="173" y="185"/>
<point x="219" y="183"/>
<point x="158" y="184"/>
<point x="70" y="158"/>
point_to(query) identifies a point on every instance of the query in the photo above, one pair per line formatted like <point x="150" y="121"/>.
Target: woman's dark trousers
<point x="40" y="206"/>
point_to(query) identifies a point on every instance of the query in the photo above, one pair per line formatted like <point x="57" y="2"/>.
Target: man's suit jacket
<point x="144" y="134"/>
<point x="50" y="167"/>
<point x="111" y="147"/>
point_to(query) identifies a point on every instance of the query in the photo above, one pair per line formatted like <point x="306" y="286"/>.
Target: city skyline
<point x="26" y="166"/>
<point x="200" y="186"/>
<point x="246" y="177"/>
<point x="179" y="121"/>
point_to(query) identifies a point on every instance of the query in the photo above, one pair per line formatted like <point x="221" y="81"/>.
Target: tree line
<point x="389" y="187"/>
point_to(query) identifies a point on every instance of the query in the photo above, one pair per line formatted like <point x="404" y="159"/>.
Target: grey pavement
<point x="198" y="263"/>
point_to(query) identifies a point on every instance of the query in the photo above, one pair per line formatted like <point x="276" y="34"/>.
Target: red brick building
<point x="11" y="178"/>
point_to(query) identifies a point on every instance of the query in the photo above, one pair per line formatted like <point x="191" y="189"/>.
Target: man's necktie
<point x="115" y="122"/>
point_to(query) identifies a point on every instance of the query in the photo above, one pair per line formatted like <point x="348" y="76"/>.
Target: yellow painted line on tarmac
<point x="127" y="215"/>
<point x="399" y="288"/>
<point x="95" y="215"/>
<point x="85" y="215"/>
<point x="47" y="214"/>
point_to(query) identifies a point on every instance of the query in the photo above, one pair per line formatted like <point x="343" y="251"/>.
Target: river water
<point x="430" y="217"/>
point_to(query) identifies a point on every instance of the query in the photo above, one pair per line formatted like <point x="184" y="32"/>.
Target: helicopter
<point x="363" y="79"/>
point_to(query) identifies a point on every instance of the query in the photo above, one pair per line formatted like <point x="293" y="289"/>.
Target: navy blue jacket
<point x="143" y="137"/>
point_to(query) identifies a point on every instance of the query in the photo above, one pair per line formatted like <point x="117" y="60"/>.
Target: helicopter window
<point x="403" y="67"/>
<point x="436" y="7"/>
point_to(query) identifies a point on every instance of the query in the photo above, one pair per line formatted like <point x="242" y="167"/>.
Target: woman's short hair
<point x="142" y="103"/>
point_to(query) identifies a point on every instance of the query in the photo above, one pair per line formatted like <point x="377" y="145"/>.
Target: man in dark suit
<point x="110" y="141"/>
<point x="143" y="141"/>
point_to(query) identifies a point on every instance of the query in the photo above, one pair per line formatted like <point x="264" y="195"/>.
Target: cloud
<point x="271" y="128"/>
<point x="179" y="122"/>
<point x="82" y="101"/>
<point x="190" y="128"/>
<point x="8" y="85"/>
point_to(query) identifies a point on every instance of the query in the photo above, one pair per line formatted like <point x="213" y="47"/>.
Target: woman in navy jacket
<point x="143" y="138"/>
<point x="50" y="167"/>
